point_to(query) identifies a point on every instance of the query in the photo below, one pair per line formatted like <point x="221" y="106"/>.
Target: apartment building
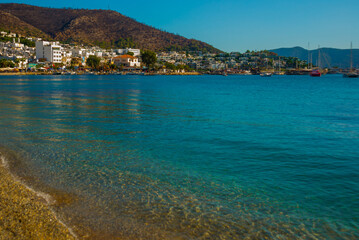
<point x="51" y="51"/>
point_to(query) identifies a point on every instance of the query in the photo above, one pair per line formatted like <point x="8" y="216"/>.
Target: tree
<point x="104" y="67"/>
<point x="58" y="65"/>
<point x="76" y="62"/>
<point x="113" y="67"/>
<point x="93" y="61"/>
<point x="4" y="63"/>
<point x="149" y="58"/>
<point x="170" y="66"/>
<point x="27" y="42"/>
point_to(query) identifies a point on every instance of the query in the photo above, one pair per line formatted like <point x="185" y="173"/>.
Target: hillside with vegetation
<point x="105" y="28"/>
<point x="9" y="22"/>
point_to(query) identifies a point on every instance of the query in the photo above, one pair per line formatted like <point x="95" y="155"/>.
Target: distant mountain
<point x="330" y="57"/>
<point x="99" y="27"/>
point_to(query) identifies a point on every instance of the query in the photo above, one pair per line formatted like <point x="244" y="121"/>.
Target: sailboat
<point x="266" y="74"/>
<point x="351" y="73"/>
<point x="316" y="72"/>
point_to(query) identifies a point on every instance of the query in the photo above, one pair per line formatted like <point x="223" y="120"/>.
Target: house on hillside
<point x="136" y="52"/>
<point x="11" y="35"/>
<point x="17" y="45"/>
<point x="126" y="61"/>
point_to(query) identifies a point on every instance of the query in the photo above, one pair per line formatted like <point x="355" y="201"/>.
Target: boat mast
<point x="266" y="61"/>
<point x="318" y="57"/>
<point x="311" y="60"/>
<point x="308" y="56"/>
<point x="351" y="56"/>
<point x="279" y="65"/>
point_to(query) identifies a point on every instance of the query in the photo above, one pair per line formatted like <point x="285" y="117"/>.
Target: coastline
<point x="81" y="73"/>
<point x="22" y="73"/>
<point x="24" y="213"/>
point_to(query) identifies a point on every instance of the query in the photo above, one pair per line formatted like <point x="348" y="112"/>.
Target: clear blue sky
<point x="238" y="25"/>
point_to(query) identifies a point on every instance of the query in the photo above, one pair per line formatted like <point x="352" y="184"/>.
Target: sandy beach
<point x="24" y="214"/>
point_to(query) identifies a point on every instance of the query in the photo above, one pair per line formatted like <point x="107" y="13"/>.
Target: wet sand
<point x="24" y="214"/>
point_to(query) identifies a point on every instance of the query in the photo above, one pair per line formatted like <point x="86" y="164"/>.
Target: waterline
<point x="15" y="183"/>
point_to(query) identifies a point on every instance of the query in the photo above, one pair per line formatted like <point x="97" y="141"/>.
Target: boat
<point x="266" y="74"/>
<point x="351" y="73"/>
<point x="278" y="73"/>
<point x="245" y="72"/>
<point x="316" y="72"/>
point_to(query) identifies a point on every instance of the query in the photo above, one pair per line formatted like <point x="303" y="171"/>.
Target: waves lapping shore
<point x="24" y="213"/>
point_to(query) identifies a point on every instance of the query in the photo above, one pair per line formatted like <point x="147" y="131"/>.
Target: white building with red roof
<point x="126" y="61"/>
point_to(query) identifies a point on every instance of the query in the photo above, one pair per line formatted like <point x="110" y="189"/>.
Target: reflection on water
<point x="191" y="157"/>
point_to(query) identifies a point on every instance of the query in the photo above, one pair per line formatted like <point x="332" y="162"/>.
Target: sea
<point x="188" y="157"/>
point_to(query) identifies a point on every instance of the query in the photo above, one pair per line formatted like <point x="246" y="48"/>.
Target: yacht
<point x="317" y="72"/>
<point x="351" y="73"/>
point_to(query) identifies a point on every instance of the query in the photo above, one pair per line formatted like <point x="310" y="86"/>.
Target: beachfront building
<point x="126" y="61"/>
<point x="51" y="51"/>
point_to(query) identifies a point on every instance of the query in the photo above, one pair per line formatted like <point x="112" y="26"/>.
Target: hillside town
<point x="34" y="55"/>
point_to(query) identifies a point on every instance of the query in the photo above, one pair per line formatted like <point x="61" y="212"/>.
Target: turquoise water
<point x="197" y="157"/>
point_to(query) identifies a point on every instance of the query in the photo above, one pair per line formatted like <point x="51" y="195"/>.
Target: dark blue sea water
<point x="197" y="157"/>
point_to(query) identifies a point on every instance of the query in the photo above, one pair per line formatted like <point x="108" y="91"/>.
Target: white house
<point x="98" y="53"/>
<point x="23" y="62"/>
<point x="12" y="35"/>
<point x="126" y="60"/>
<point x="78" y="52"/>
<point x="17" y="45"/>
<point x="136" y="52"/>
<point x="51" y="51"/>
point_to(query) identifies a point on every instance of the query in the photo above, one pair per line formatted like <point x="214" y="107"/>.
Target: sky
<point x="240" y="25"/>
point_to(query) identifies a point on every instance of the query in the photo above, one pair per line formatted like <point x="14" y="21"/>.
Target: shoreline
<point x="139" y="74"/>
<point x="82" y="73"/>
<point x="25" y="213"/>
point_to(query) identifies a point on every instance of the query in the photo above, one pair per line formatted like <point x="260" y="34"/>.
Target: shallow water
<point x="212" y="157"/>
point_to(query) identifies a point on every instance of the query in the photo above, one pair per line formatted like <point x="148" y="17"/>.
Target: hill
<point x="330" y="57"/>
<point x="13" y="23"/>
<point x="104" y="28"/>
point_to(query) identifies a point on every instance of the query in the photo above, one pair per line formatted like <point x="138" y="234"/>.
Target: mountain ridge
<point x="330" y="57"/>
<point x="106" y="28"/>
